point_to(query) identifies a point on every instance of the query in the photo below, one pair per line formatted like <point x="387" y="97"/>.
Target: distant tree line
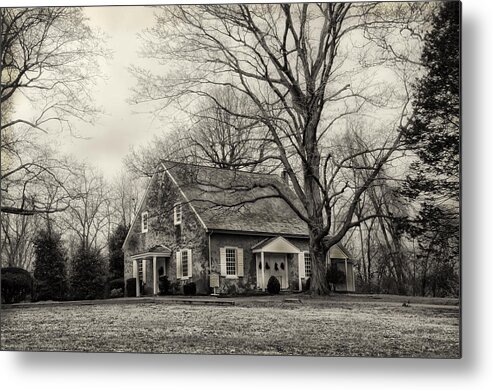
<point x="57" y="214"/>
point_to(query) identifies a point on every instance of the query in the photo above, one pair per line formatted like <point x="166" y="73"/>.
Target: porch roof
<point x="158" y="251"/>
<point x="275" y="245"/>
<point x="339" y="251"/>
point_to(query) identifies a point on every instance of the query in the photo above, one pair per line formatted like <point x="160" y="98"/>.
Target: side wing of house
<point x="340" y="257"/>
<point x="245" y="262"/>
<point x="167" y="238"/>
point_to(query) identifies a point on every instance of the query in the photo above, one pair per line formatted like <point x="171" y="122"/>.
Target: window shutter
<point x="301" y="264"/>
<point x="222" y="259"/>
<point x="189" y="263"/>
<point x="239" y="262"/>
<point x="178" y="264"/>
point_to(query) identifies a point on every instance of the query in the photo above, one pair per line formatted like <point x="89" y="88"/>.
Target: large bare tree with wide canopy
<point x="307" y="71"/>
<point x="49" y="64"/>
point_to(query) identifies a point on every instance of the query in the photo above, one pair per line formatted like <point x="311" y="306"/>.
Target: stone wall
<point x="190" y="234"/>
<point x="249" y="281"/>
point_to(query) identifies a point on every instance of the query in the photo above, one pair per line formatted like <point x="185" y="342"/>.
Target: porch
<point x="148" y="267"/>
<point x="273" y="257"/>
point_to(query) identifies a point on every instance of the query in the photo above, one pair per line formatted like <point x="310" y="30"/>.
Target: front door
<point x="162" y="270"/>
<point x="276" y="265"/>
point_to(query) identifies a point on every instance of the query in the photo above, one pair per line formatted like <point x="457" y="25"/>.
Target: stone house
<point x="226" y="231"/>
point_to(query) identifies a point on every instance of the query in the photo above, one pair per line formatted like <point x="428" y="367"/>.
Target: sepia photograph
<point x="272" y="179"/>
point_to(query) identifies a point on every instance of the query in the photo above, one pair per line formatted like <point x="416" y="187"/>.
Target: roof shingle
<point x="238" y="201"/>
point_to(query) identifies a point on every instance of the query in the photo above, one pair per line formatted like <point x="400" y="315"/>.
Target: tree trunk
<point x="311" y="170"/>
<point x="423" y="279"/>
<point x="318" y="280"/>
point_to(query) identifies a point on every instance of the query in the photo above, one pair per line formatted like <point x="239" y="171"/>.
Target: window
<point x="308" y="265"/>
<point x="177" y="213"/>
<point x="184" y="264"/>
<point x="145" y="222"/>
<point x="230" y="261"/>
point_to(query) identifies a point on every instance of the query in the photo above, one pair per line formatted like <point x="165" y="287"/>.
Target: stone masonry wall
<point x="249" y="281"/>
<point x="159" y="202"/>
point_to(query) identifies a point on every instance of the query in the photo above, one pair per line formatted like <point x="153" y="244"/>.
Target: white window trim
<point x="175" y="214"/>
<point x="239" y="262"/>
<point x="189" y="264"/>
<point x="306" y="273"/>
<point x="235" y="276"/>
<point x="146" y="228"/>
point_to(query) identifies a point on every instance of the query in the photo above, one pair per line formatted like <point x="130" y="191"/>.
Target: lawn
<point x="344" y="328"/>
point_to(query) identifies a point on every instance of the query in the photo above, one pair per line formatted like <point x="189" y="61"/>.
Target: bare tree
<point x="124" y="199"/>
<point x="173" y="145"/>
<point x="49" y="62"/>
<point x="17" y="235"/>
<point x="87" y="216"/>
<point x="305" y="68"/>
<point x="34" y="177"/>
<point x="213" y="137"/>
<point x="229" y="138"/>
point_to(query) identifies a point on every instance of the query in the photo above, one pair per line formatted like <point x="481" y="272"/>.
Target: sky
<point x="120" y="127"/>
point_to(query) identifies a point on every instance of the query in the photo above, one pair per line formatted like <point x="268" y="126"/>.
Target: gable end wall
<point x="159" y="201"/>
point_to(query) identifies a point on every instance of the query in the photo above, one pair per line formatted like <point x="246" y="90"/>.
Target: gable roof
<point x="238" y="201"/>
<point x="339" y="251"/>
<point x="275" y="245"/>
<point x="157" y="250"/>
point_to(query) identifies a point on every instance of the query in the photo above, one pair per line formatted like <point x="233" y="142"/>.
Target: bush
<point x="335" y="276"/>
<point x="88" y="278"/>
<point x="273" y="285"/>
<point x="147" y="290"/>
<point x="175" y="288"/>
<point x="130" y="289"/>
<point x="164" y="285"/>
<point x="16" y="284"/>
<point x="190" y="288"/>
<point x="308" y="283"/>
<point x="116" y="284"/>
<point x="116" y="293"/>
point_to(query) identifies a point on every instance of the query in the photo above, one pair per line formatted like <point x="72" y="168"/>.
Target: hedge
<point x="16" y="284"/>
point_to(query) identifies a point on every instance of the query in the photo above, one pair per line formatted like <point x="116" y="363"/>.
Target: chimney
<point x="285" y="176"/>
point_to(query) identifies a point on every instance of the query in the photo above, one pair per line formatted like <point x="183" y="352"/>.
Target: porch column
<point x="301" y="257"/>
<point x="137" y="281"/>
<point x="345" y="267"/>
<point x="154" y="275"/>
<point x="262" y="261"/>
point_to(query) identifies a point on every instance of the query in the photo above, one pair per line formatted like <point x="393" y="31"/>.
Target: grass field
<point x="341" y="328"/>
